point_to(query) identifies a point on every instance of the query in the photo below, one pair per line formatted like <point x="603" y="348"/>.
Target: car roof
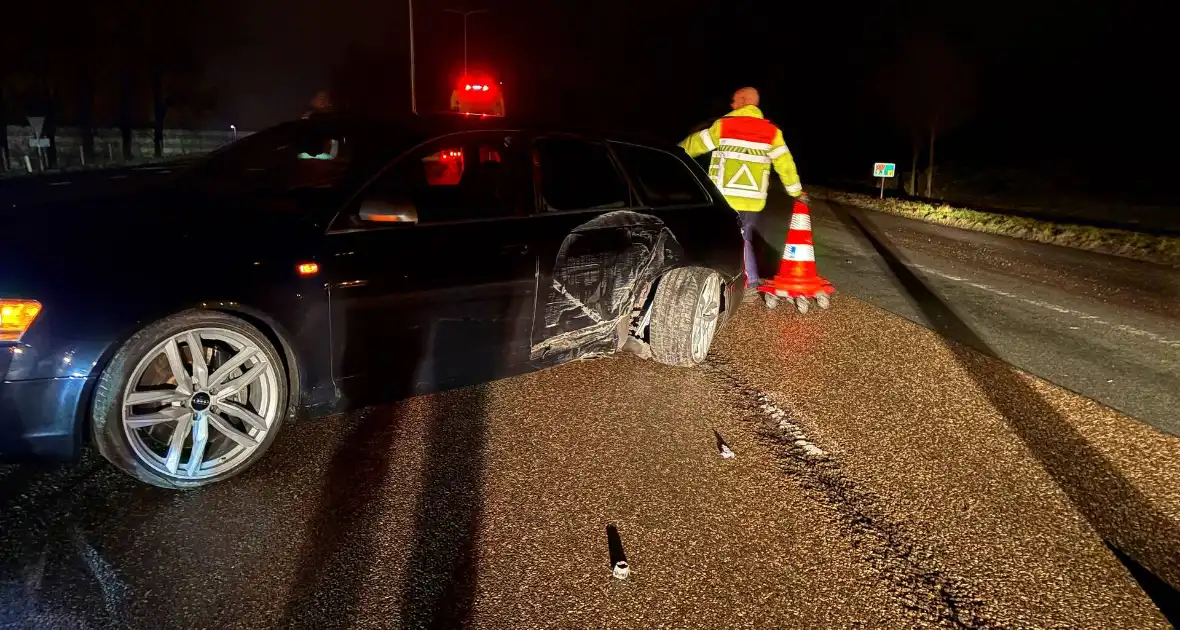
<point x="427" y="126"/>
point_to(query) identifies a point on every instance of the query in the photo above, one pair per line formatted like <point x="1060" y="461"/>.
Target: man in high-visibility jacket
<point x="745" y="146"/>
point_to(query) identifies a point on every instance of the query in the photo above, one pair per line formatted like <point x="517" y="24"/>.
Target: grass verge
<point x="1137" y="245"/>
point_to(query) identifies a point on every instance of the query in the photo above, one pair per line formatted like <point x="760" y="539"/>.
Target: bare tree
<point x="172" y="71"/>
<point x="3" y="118"/>
<point x="91" y="34"/>
<point x="930" y="90"/>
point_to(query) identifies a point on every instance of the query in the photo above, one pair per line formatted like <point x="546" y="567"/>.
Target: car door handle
<point x="518" y="248"/>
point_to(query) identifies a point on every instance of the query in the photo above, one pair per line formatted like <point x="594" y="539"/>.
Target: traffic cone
<point x="796" y="274"/>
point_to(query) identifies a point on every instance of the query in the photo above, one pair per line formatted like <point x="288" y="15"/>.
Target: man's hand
<point x="804" y="199"/>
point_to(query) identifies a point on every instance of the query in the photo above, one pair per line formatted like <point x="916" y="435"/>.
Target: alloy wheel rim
<point x="190" y="415"/>
<point x="704" y="324"/>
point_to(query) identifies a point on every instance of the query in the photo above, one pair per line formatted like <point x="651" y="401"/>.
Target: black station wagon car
<point x="332" y="262"/>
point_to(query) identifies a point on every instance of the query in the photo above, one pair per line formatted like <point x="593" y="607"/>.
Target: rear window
<point x="660" y="178"/>
<point x="578" y="175"/>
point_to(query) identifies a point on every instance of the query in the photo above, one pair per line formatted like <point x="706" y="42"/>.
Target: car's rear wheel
<point x="684" y="317"/>
<point x="190" y="400"/>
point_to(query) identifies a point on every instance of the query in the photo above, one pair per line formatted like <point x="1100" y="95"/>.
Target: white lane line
<point x="1130" y="330"/>
<point x="118" y="177"/>
<point x="60" y="183"/>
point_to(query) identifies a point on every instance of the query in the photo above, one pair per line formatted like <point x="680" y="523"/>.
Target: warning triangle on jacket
<point x="744" y="170"/>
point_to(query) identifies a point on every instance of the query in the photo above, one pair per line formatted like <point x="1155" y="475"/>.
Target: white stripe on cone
<point x="799" y="253"/>
<point x="801" y="222"/>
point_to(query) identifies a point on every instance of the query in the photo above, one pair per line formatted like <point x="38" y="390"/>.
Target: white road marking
<point x="114" y="591"/>
<point x="1130" y="330"/>
<point x="765" y="404"/>
<point x="790" y="429"/>
<point x="60" y="183"/>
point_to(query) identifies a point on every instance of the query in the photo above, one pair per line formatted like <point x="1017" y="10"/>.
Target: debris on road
<point x="618" y="559"/>
<point x="723" y="447"/>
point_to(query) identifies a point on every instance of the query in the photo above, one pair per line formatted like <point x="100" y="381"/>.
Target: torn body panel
<point x="603" y="267"/>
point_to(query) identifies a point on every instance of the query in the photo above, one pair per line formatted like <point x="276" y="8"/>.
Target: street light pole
<point x="465" y="14"/>
<point x="413" y="92"/>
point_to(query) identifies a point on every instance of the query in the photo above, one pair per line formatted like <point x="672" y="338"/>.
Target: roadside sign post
<point x="884" y="171"/>
<point x="39" y="143"/>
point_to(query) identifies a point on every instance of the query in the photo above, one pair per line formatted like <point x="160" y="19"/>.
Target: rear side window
<point x="577" y="175"/>
<point x="660" y="178"/>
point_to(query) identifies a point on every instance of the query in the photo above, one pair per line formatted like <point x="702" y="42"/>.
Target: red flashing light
<point x="468" y="88"/>
<point x="485" y="88"/>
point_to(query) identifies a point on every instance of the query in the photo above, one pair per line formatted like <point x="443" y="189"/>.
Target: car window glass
<point x="454" y="180"/>
<point x="660" y="178"/>
<point x="444" y="167"/>
<point x="578" y="175"/>
<point x="285" y="159"/>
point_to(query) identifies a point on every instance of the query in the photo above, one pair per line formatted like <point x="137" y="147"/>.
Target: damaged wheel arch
<point x="605" y="276"/>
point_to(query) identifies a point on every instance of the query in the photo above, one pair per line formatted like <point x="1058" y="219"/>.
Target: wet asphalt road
<point x="885" y="477"/>
<point x="1104" y="326"/>
<point x="871" y="488"/>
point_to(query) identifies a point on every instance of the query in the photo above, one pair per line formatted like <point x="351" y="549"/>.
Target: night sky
<point x="1032" y="83"/>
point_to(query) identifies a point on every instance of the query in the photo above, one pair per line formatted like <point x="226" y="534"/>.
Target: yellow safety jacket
<point x="745" y="146"/>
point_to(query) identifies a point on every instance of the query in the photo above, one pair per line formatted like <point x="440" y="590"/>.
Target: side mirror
<point x="378" y="210"/>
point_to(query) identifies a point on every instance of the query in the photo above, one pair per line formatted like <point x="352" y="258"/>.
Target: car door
<point x="442" y="301"/>
<point x="586" y="259"/>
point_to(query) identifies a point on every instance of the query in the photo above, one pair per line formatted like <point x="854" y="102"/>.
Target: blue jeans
<point x="749" y="222"/>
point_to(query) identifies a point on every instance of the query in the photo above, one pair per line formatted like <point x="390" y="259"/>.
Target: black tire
<point x="673" y="310"/>
<point x="106" y="412"/>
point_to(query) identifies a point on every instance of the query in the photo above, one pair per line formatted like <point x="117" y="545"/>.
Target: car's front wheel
<point x="190" y="400"/>
<point x="684" y="316"/>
